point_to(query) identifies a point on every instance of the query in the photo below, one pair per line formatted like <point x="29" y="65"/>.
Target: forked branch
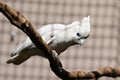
<point x="23" y="24"/>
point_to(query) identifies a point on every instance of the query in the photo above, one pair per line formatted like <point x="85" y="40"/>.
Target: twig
<point x="22" y="23"/>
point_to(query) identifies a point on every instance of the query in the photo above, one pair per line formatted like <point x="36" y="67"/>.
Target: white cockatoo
<point x="58" y="36"/>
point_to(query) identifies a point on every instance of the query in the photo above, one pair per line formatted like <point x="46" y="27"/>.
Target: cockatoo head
<point x="80" y="30"/>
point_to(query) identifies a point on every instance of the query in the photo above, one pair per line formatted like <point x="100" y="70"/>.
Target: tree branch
<point x="22" y="23"/>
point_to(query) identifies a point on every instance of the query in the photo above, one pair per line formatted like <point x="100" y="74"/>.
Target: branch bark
<point x="23" y="24"/>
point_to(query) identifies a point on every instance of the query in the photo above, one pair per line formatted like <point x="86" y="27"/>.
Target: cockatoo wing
<point x="47" y="33"/>
<point x="26" y="48"/>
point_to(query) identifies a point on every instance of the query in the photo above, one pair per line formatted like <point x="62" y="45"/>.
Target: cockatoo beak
<point x="82" y="41"/>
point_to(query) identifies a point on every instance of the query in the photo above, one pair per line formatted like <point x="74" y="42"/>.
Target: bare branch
<point x="22" y="23"/>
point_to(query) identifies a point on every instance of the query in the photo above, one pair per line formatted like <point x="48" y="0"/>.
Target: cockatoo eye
<point x="78" y="34"/>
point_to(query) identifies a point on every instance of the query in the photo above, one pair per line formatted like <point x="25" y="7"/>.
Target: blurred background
<point x="100" y="50"/>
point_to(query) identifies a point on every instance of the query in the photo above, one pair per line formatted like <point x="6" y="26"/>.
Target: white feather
<point x="58" y="36"/>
